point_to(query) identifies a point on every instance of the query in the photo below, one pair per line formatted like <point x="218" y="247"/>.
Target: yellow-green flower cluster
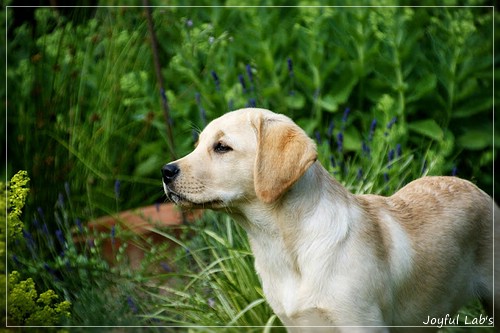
<point x="27" y="308"/>
<point x="16" y="198"/>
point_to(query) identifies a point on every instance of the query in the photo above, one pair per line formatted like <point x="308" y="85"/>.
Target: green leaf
<point x="475" y="139"/>
<point x="428" y="128"/>
<point x="295" y="101"/>
<point x="352" y="140"/>
<point x="473" y="107"/>
<point x="422" y="88"/>
<point x="328" y="103"/>
<point x="342" y="88"/>
<point x="148" y="166"/>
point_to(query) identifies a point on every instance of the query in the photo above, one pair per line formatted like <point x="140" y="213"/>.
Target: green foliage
<point x="3" y="238"/>
<point x="389" y="93"/>
<point x="17" y="193"/>
<point x="88" y="110"/>
<point x="217" y="285"/>
<point x="26" y="307"/>
<point x="81" y="104"/>
<point x="70" y="261"/>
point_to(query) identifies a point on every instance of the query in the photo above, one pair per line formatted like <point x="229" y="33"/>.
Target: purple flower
<point x="359" y="175"/>
<point x="454" y="171"/>
<point x="79" y="224"/>
<point x="372" y="129"/>
<point x="331" y="126"/>
<point x="318" y="136"/>
<point x="290" y="66"/>
<point x="45" y="229"/>
<point x="28" y="238"/>
<point x="399" y="151"/>
<point x="340" y="142"/>
<point x="132" y="305"/>
<point x="392" y="122"/>
<point x="60" y="236"/>
<point x="113" y="232"/>
<point x="390" y="157"/>
<point x="249" y="73"/>
<point x="216" y="80"/>
<point x="346" y="114"/>
<point x="166" y="267"/>
<point x="332" y="161"/>
<point x="163" y="95"/>
<point x="386" y="177"/>
<point x="365" y="148"/>
<point x="16" y="260"/>
<point x="36" y="224"/>
<point x="252" y="103"/>
<point x="117" y="189"/>
<point x="51" y="271"/>
<point x="40" y="212"/>
<point x="242" y="82"/>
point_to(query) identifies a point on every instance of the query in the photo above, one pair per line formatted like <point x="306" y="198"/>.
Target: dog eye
<point x="221" y="148"/>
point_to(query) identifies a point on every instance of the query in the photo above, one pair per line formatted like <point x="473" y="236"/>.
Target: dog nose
<point x="169" y="172"/>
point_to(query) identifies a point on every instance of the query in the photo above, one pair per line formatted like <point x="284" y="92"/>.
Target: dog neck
<point x="296" y="219"/>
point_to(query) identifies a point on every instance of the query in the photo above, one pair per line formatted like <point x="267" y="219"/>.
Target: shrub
<point x="26" y="307"/>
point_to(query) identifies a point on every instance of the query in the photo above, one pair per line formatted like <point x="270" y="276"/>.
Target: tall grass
<point x="85" y="115"/>
<point x="219" y="285"/>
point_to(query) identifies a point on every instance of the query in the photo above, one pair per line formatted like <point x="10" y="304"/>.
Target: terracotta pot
<point x="140" y="221"/>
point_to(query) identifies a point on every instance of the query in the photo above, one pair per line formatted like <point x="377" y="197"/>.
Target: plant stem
<point x="159" y="77"/>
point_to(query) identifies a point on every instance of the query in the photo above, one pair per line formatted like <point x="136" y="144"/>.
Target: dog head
<point x="245" y="155"/>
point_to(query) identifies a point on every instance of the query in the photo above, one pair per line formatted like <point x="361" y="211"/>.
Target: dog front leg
<point x="316" y="320"/>
<point x="336" y="329"/>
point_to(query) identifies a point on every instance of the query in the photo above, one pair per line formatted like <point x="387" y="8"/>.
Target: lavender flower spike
<point x="249" y="73"/>
<point x="242" y="82"/>
<point x="113" y="232"/>
<point x="346" y="114"/>
<point x="216" y="80"/>
<point x="60" y="236"/>
<point x="117" y="189"/>
<point x="392" y="122"/>
<point x="290" y="66"/>
<point x="340" y="142"/>
<point x="390" y="157"/>
<point x="372" y="129"/>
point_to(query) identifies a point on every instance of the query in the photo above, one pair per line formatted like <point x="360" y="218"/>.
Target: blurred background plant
<point x="26" y="307"/>
<point x="389" y="94"/>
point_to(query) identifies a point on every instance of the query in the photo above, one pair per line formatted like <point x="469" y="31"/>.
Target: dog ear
<point x="284" y="153"/>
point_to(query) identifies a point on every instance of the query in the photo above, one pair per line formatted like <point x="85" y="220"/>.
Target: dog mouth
<point x="183" y="201"/>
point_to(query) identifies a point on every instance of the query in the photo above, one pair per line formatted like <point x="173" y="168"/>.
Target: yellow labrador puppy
<point x="327" y="257"/>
